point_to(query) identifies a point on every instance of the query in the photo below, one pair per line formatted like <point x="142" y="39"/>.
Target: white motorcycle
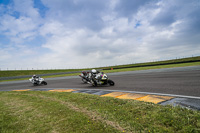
<point x="102" y="80"/>
<point x="38" y="81"/>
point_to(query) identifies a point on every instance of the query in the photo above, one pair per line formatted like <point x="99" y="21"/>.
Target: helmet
<point x="94" y="71"/>
<point x="34" y="76"/>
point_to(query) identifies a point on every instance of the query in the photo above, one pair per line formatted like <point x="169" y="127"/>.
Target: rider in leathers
<point x="96" y="74"/>
<point x="34" y="77"/>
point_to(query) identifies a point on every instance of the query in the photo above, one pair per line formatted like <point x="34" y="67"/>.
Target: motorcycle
<point x="101" y="80"/>
<point x="38" y="81"/>
<point x="85" y="77"/>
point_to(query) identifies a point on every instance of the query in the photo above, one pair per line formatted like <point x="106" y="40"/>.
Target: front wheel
<point x="44" y="82"/>
<point x="112" y="83"/>
<point x="94" y="83"/>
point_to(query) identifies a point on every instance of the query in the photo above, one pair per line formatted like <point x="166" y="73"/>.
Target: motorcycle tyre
<point x="111" y="83"/>
<point x="44" y="82"/>
<point x="94" y="83"/>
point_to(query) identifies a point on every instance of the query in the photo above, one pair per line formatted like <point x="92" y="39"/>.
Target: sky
<point x="66" y="34"/>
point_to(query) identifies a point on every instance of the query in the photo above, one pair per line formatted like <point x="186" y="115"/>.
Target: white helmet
<point x="94" y="71"/>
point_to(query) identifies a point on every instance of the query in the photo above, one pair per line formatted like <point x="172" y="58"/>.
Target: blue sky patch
<point x="93" y="33"/>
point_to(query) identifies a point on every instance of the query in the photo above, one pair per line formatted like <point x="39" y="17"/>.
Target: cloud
<point x="18" y="56"/>
<point x="18" y="29"/>
<point x="77" y="13"/>
<point x="127" y="8"/>
<point x="25" y="8"/>
<point x="20" y="21"/>
<point x="87" y="33"/>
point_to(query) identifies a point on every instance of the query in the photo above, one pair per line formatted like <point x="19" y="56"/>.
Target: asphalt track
<point x="176" y="81"/>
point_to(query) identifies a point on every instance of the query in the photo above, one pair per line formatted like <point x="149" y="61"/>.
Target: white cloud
<point x="78" y="33"/>
<point x="20" y="22"/>
<point x="26" y="8"/>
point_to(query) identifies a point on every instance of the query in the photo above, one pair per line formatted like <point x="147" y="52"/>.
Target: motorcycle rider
<point x="96" y="74"/>
<point x="84" y="73"/>
<point x="35" y="78"/>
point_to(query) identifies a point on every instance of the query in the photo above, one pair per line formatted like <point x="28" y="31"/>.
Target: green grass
<point x="36" y="111"/>
<point x="157" y="63"/>
<point x="31" y="72"/>
<point x="153" y="67"/>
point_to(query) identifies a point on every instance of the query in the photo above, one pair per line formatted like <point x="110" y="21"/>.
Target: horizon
<point x="94" y="67"/>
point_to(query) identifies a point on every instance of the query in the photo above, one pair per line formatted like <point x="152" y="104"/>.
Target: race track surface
<point x="176" y="81"/>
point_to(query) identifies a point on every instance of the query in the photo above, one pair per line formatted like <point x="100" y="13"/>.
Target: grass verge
<point x="31" y="72"/>
<point x="157" y="63"/>
<point x="153" y="67"/>
<point x="36" y="111"/>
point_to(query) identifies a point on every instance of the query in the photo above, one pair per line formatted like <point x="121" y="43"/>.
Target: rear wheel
<point x="111" y="82"/>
